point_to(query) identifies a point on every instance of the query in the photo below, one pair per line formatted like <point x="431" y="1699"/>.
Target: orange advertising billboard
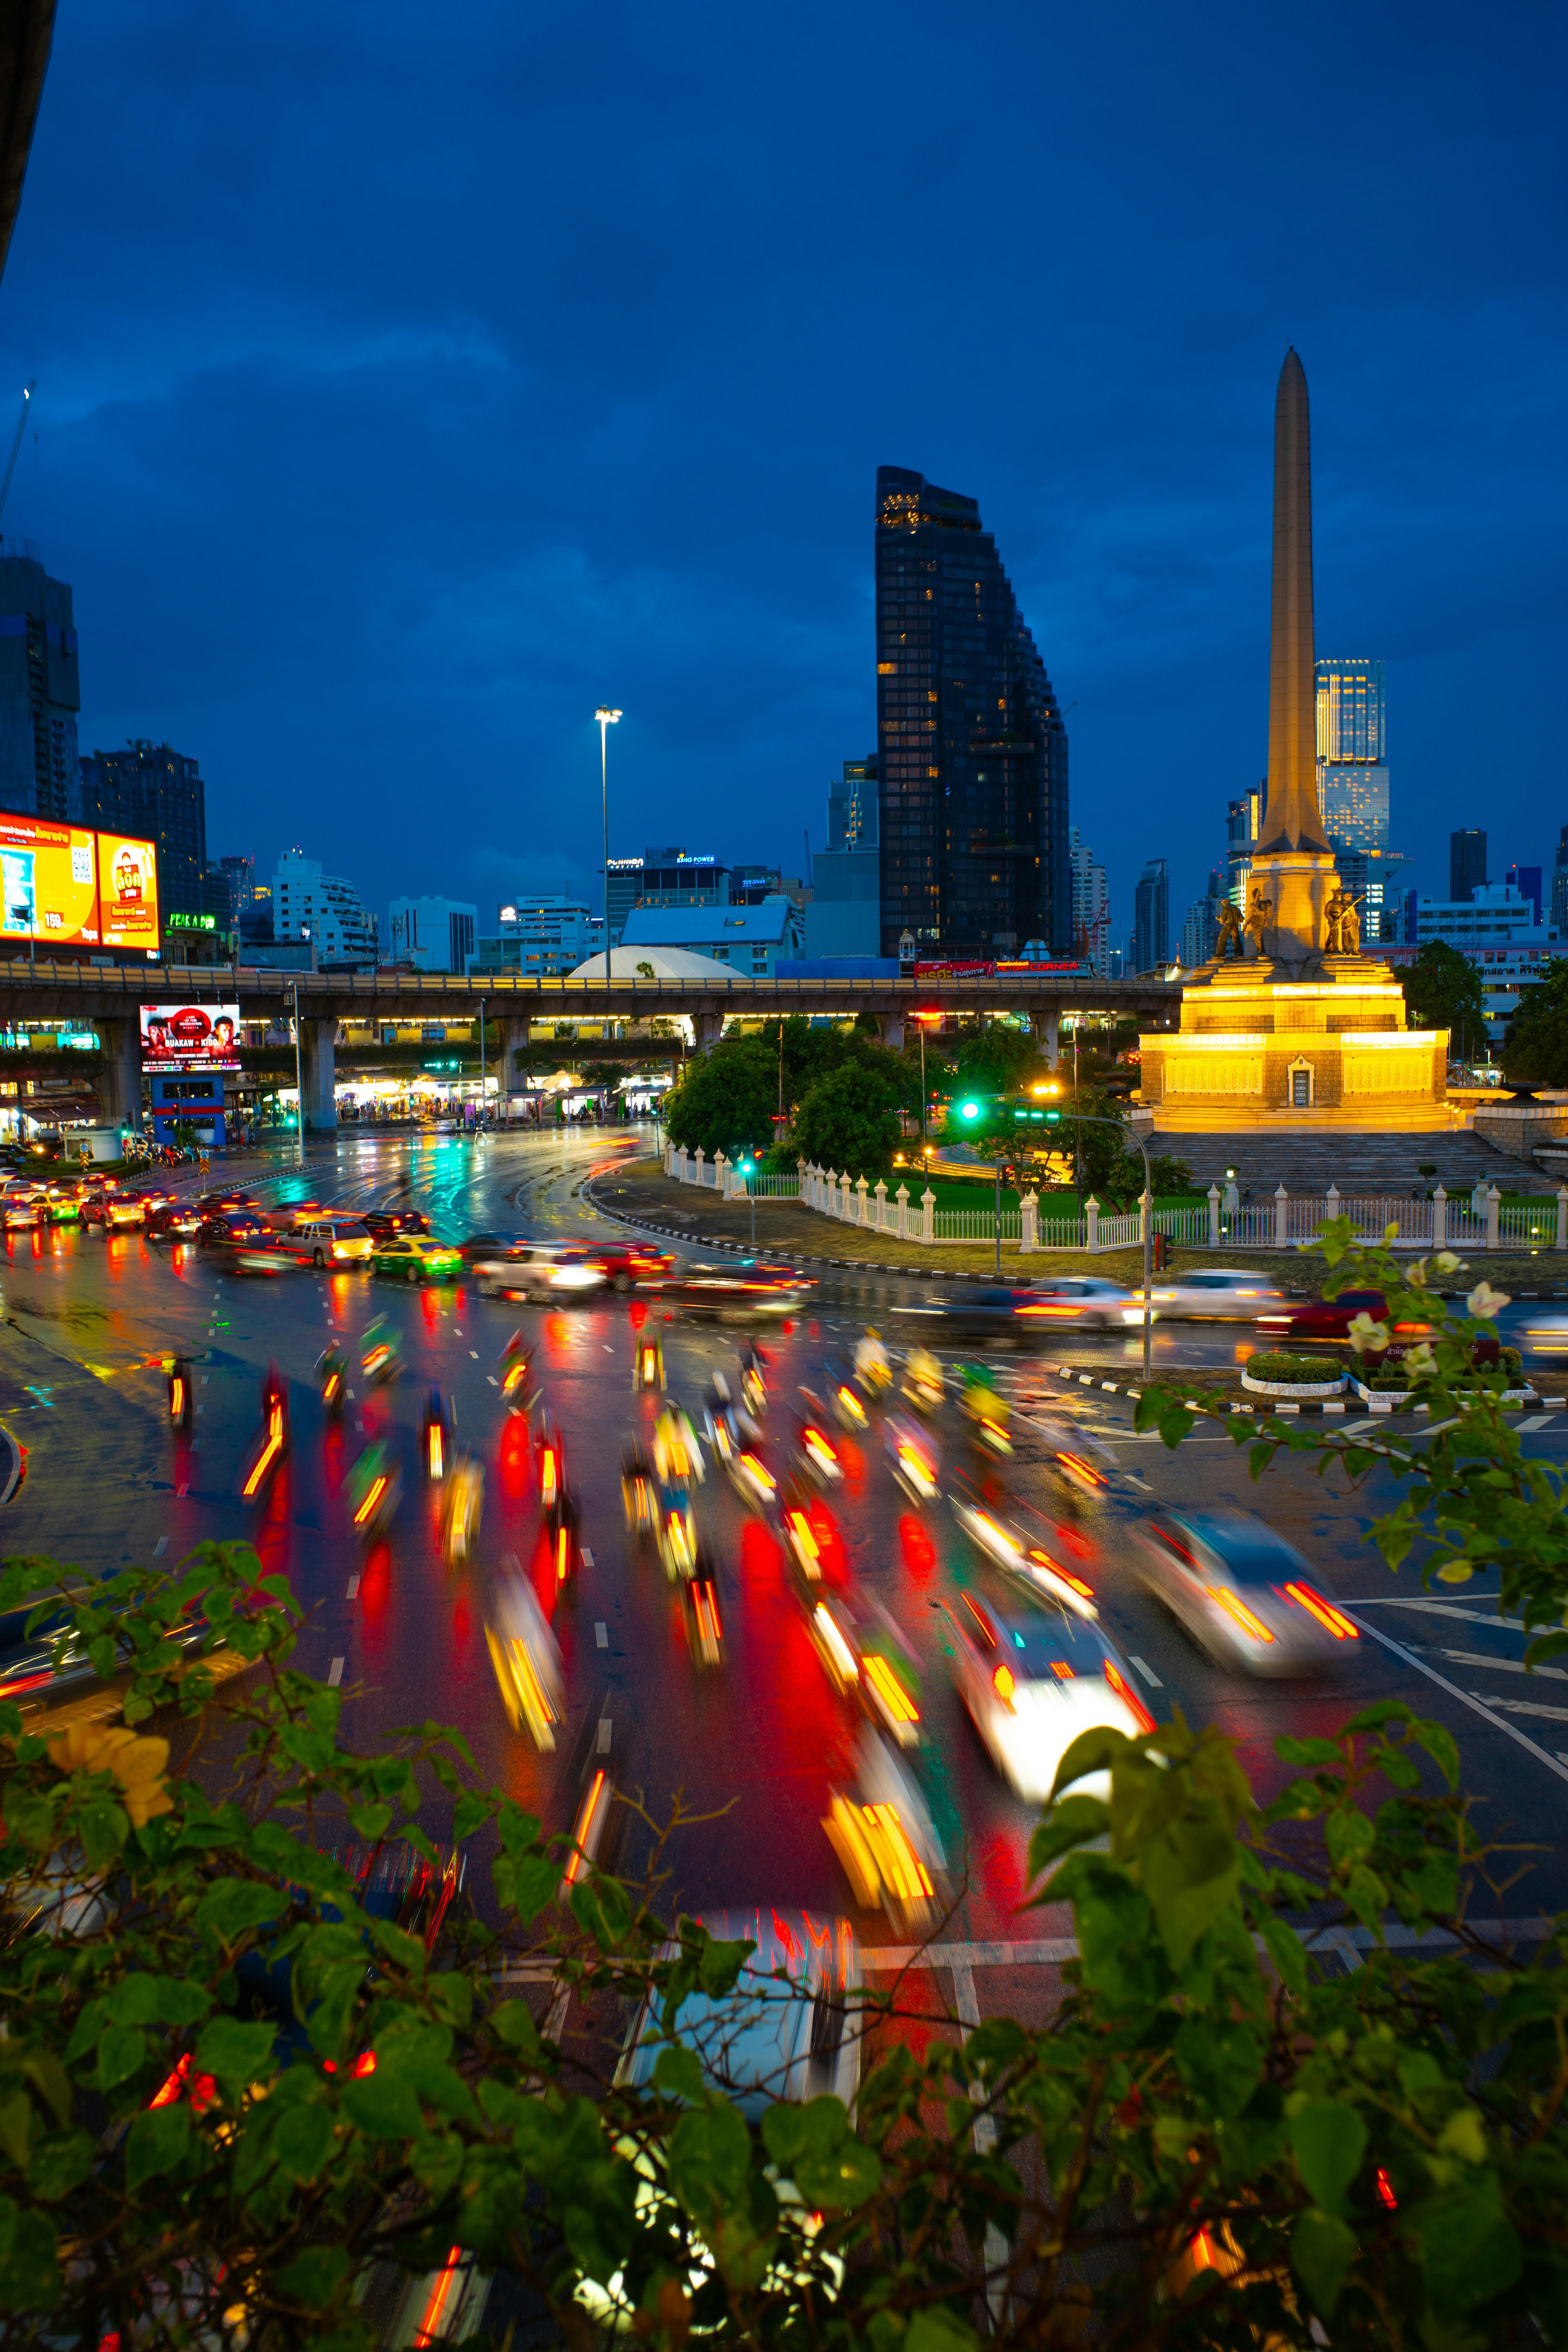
<point x="65" y="886"/>
<point x="127" y="891"/>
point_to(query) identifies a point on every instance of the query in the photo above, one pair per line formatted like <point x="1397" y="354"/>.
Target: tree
<point x="726" y="1099"/>
<point x="1443" y="990"/>
<point x="228" y="2088"/>
<point x="1536" y="1051"/>
<point x="848" y="1122"/>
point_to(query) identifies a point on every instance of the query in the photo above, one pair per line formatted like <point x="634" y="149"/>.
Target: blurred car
<point x="723" y="1295"/>
<point x="213" y="1203"/>
<point x="112" y="1212"/>
<point x="61" y="1206"/>
<point x="21" y="1205"/>
<point x="1032" y="1679"/>
<point x="1328" y="1318"/>
<point x="1215" y="1295"/>
<point x="492" y="1246"/>
<point x="1241" y="1592"/>
<point x="556" y="1271"/>
<point x="381" y="1224"/>
<point x="177" y="1222"/>
<point x="266" y="1256"/>
<point x="224" y="1229"/>
<point x="410" y="1257"/>
<point x="1085" y="1301"/>
<point x="328" y="1241"/>
<point x="1545" y="1335"/>
<point x="1006" y="1318"/>
<point x="1020" y="1553"/>
<point x="626" y="1263"/>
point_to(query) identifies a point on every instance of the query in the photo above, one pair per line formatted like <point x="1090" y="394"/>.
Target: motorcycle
<point x="375" y="1490"/>
<point x="989" y="1417"/>
<point x="462" y="1508"/>
<point x="182" y="1401"/>
<point x="562" y="1530"/>
<point x="517" y="1373"/>
<point x="271" y="1446"/>
<point x="549" y="1453"/>
<point x="884" y="1838"/>
<point x="381" y="1357"/>
<point x="704" y="1624"/>
<point x="638" y="1497"/>
<point x="925" y="1385"/>
<point x="648" y="1366"/>
<point x="526" y="1658"/>
<point x="331" y="1370"/>
<point x="752" y="1480"/>
<point x="435" y="1437"/>
<point x="912" y="1458"/>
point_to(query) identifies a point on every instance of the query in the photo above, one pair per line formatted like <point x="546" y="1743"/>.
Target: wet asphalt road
<point x="755" y="1745"/>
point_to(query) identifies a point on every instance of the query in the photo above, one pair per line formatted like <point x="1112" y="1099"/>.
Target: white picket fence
<point x="1477" y="1220"/>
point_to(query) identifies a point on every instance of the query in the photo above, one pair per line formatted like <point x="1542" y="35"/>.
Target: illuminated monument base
<point x="1269" y="1044"/>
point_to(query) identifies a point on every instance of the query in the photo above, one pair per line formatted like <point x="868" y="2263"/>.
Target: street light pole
<point x="606" y="719"/>
<point x="299" y="1078"/>
<point x="1092" y="1120"/>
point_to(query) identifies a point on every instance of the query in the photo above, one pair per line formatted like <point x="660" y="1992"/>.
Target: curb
<point x="794" y="1258"/>
<point x="1328" y="1404"/>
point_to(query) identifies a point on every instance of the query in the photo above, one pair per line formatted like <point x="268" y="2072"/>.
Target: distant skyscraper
<point x="1091" y="904"/>
<point x="40" y="689"/>
<point x="1559" y="916"/>
<point x="1467" y="863"/>
<point x="323" y="907"/>
<point x="1151" y="917"/>
<point x="1242" y="820"/>
<point x="971" y="752"/>
<point x="1352" y="719"/>
<point x="1527" y="880"/>
<point x="844" y="917"/>
<point x="154" y="792"/>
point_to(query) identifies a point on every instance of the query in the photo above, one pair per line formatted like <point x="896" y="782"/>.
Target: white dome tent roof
<point x="667" y="963"/>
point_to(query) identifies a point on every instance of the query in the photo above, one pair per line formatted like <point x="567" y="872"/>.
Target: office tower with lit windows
<point x="1559" y="914"/>
<point x="1242" y="819"/>
<point x="971" y="752"/>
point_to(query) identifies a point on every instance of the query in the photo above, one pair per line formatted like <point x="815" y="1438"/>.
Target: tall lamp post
<point x="606" y="719"/>
<point x="299" y="1080"/>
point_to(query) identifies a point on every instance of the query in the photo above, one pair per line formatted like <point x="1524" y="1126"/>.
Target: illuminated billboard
<point x="190" y="1037"/>
<point x="65" y="886"/>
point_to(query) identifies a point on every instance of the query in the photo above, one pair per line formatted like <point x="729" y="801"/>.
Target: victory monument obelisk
<point x="1288" y="1023"/>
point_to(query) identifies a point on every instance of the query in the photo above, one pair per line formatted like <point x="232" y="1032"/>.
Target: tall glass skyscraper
<point x="1351" y="717"/>
<point x="971" y="752"/>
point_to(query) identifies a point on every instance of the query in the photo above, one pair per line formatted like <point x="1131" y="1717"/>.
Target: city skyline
<point x="448" y="485"/>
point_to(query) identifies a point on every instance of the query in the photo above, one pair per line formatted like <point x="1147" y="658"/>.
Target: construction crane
<point x="17" y="444"/>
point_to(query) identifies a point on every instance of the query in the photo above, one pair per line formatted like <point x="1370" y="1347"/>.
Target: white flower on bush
<point x="1419" y="1360"/>
<point x="1447" y="1263"/>
<point x="1364" y="1333"/>
<point x="1484" y="1301"/>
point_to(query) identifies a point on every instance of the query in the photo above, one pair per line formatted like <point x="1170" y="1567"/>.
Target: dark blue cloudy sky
<point x="412" y="379"/>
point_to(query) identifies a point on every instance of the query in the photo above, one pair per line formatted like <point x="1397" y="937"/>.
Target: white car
<point x="1219" y="1294"/>
<point x="1079" y="1300"/>
<point x="556" y="1271"/>
<point x="1241" y="1592"/>
<point x="1032" y="1679"/>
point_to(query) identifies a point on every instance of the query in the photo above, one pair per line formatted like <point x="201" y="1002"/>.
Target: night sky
<point x="411" y="380"/>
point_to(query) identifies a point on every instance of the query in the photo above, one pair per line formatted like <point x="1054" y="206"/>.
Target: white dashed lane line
<point x="1477" y="1706"/>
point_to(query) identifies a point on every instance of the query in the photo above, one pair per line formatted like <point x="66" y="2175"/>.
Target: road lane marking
<point x="475" y="1354"/>
<point x="1467" y="1698"/>
<point x="601" y="1636"/>
<point x="587" y="1557"/>
<point x="492" y="1379"/>
<point x="602" y="1744"/>
<point x="353" y="1588"/>
<point x="1441" y="1608"/>
<point x="335" y="1674"/>
<point x="1150" y="1677"/>
<point x="1501" y="1665"/>
<point x="161" y="1547"/>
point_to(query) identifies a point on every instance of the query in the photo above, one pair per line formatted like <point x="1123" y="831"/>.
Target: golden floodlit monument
<point x="1288" y="1024"/>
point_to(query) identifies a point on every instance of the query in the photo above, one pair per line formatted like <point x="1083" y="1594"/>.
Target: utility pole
<point x="298" y="1075"/>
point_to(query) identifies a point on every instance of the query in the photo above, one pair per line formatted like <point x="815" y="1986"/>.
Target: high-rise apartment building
<point x="40" y="687"/>
<point x="157" y="793"/>
<point x="1152" y="916"/>
<point x="308" y="904"/>
<point x="971" y="752"/>
<point x="844" y="917"/>
<point x="1467" y="863"/>
<point x="1091" y="904"/>
<point x="1528" y="881"/>
<point x="542" y="937"/>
